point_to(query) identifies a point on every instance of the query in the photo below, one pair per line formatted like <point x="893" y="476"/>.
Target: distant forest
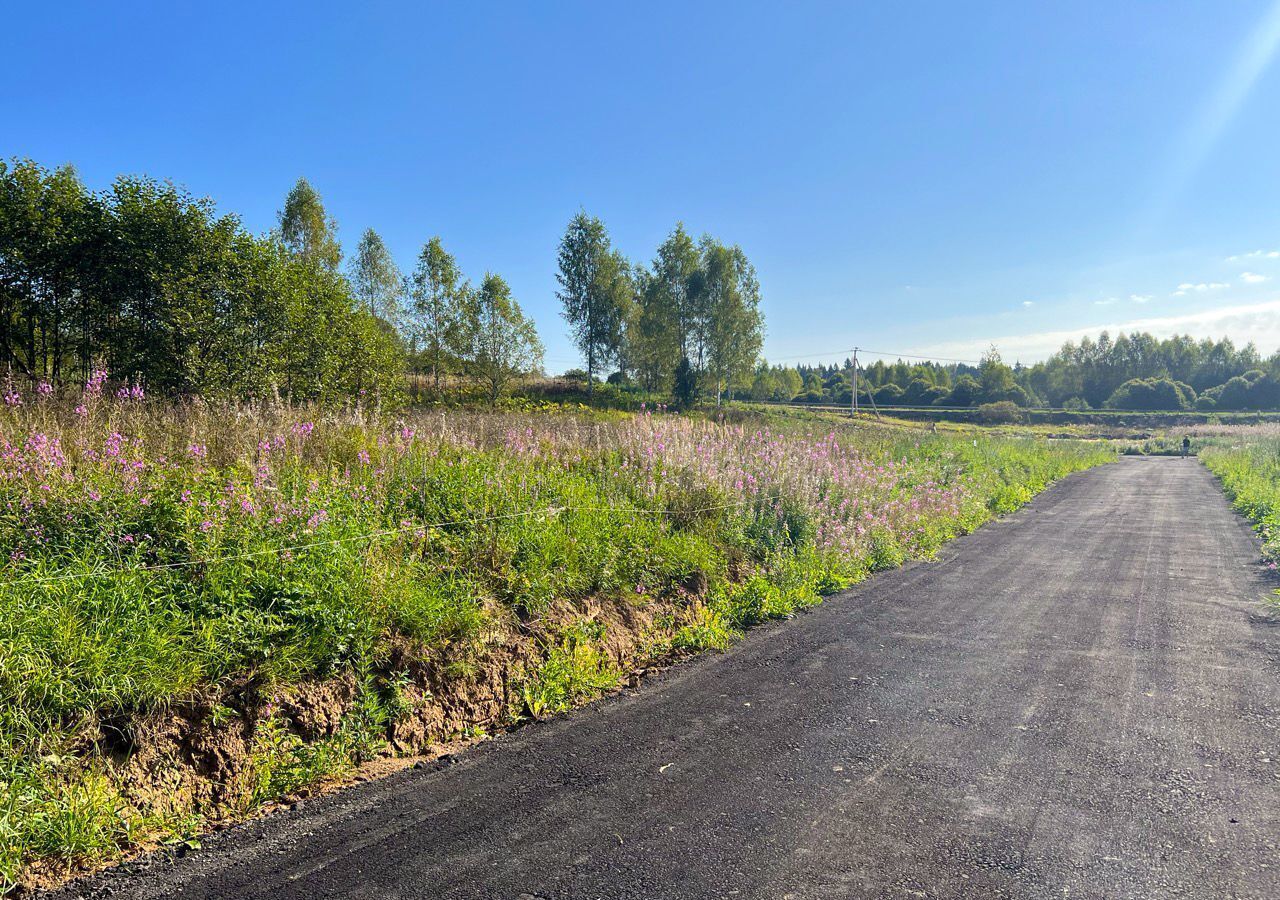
<point x="1132" y="372"/>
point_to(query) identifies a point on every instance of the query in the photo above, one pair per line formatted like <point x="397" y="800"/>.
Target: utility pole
<point x="854" y="408"/>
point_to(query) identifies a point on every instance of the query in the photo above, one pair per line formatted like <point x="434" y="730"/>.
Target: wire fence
<point x="368" y="536"/>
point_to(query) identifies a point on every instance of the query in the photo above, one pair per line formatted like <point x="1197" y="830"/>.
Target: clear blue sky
<point x="919" y="177"/>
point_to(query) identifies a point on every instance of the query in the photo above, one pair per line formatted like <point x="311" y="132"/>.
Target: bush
<point x="964" y="392"/>
<point x="888" y="395"/>
<point x="1003" y="412"/>
<point x="1152" y="394"/>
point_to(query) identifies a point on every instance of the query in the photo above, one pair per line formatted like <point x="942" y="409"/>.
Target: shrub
<point x="1001" y="413"/>
<point x="1152" y="394"/>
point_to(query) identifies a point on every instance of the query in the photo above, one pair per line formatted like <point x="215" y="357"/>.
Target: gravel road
<point x="1080" y="700"/>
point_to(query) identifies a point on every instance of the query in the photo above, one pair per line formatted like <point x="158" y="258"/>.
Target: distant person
<point x="1186" y="446"/>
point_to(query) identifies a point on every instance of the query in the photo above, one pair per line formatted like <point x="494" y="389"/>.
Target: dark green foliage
<point x="1152" y="393"/>
<point x="686" y="384"/>
<point x="1252" y="390"/>
<point x="999" y="413"/>
<point x="155" y="285"/>
<point x="1094" y="370"/>
<point x="501" y="342"/>
<point x="889" y="395"/>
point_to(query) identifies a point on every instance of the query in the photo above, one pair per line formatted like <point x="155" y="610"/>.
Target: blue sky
<point x="916" y="177"/>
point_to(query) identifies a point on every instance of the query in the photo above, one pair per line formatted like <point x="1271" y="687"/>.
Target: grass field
<point x="204" y="608"/>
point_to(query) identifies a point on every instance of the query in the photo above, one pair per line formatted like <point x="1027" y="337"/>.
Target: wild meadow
<point x="177" y="579"/>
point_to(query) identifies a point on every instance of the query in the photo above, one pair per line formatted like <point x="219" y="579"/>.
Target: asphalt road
<point x="1081" y="700"/>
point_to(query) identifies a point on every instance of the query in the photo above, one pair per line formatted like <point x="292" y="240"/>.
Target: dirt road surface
<point x="1080" y="700"/>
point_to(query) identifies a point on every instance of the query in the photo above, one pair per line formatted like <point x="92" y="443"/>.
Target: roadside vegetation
<point x="1247" y="462"/>
<point x="204" y="607"/>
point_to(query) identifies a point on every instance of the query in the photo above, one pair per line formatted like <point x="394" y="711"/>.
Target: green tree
<point x="677" y="286"/>
<point x="376" y="280"/>
<point x="504" y="345"/>
<point x="45" y="231"/>
<point x="685" y="389"/>
<point x="1152" y="394"/>
<point x="157" y="285"/>
<point x="652" y="340"/>
<point x="437" y="292"/>
<point x="593" y="289"/>
<point x="307" y="230"/>
<point x="735" y="328"/>
<point x="997" y="381"/>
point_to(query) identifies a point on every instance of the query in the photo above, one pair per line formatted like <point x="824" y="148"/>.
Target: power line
<point x="846" y="352"/>
<point x="849" y="352"/>
<point x="973" y="362"/>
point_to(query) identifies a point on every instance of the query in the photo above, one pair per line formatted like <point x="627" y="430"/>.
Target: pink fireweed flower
<point x="198" y="451"/>
<point x="363" y="456"/>
<point x="206" y="525"/>
<point x="93" y="386"/>
<point x="82" y="410"/>
<point x="44" y="389"/>
<point x="12" y="397"/>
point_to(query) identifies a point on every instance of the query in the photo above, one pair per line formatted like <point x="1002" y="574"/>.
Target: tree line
<point x="894" y="384"/>
<point x="153" y="284"/>
<point x="1135" y="372"/>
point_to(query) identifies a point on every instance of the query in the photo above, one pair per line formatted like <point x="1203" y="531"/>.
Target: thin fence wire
<point x="368" y="536"/>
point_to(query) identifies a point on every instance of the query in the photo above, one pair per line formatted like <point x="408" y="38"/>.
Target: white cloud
<point x="1027" y="304"/>
<point x="1107" y="302"/>
<point x="1187" y="287"/>
<point x="1254" y="254"/>
<point x="1252" y="278"/>
<point x="1257" y="322"/>
<point x="1141" y="298"/>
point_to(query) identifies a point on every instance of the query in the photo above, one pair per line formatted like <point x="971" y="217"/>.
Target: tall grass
<point x="1247" y="462"/>
<point x="154" y="555"/>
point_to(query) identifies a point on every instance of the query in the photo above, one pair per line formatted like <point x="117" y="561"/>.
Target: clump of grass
<point x="576" y="669"/>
